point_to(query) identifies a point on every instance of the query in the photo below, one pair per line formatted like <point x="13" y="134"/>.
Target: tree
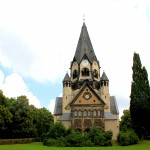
<point x="140" y="98"/>
<point x="2" y="98"/>
<point x="5" y="121"/>
<point x="22" y="121"/>
<point x="43" y="120"/>
<point x="126" y="121"/>
<point x="57" y="130"/>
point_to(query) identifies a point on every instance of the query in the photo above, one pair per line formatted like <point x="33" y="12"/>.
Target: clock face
<point x="85" y="62"/>
<point x="87" y="95"/>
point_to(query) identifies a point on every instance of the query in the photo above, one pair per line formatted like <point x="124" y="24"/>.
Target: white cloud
<point x="14" y="86"/>
<point x="40" y="43"/>
<point x="51" y="105"/>
<point x="38" y="39"/>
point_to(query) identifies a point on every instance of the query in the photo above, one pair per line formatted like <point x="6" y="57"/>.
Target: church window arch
<point x="85" y="72"/>
<point x="75" y="113"/>
<point x="89" y="113"/>
<point x="98" y="112"/>
<point x="95" y="73"/>
<point x="85" y="113"/>
<point x="75" y="74"/>
<point x="79" y="113"/>
<point x="94" y="113"/>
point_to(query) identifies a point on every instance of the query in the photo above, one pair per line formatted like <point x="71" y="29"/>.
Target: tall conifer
<point x="140" y="98"/>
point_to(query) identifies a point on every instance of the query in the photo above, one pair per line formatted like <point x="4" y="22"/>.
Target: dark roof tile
<point x="58" y="106"/>
<point x="113" y="105"/>
<point x="104" y="77"/>
<point x="84" y="46"/>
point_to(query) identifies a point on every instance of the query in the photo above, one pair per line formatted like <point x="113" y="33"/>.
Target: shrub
<point x="100" y="138"/>
<point x="95" y="137"/>
<point x="56" y="131"/>
<point x="50" y="142"/>
<point x="75" y="139"/>
<point x="108" y="135"/>
<point x="127" y="138"/>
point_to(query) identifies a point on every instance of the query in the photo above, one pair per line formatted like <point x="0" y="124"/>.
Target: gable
<point x="87" y="96"/>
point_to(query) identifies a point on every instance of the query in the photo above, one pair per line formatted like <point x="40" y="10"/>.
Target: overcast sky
<point x="38" y="39"/>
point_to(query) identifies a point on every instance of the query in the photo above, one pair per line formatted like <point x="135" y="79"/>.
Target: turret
<point x="104" y="90"/>
<point x="66" y="91"/>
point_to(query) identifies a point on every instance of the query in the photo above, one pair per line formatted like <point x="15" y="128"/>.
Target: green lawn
<point x="143" y="145"/>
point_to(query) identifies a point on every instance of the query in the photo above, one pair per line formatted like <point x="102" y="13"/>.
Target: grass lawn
<point x="143" y="145"/>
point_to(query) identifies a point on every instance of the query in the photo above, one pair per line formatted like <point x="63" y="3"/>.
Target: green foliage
<point x="5" y="121"/>
<point x="126" y="121"/>
<point x="56" y="131"/>
<point x="60" y="142"/>
<point x="108" y="135"/>
<point x="75" y="139"/>
<point x="42" y="119"/>
<point x="140" y="98"/>
<point x="22" y="121"/>
<point x="99" y="137"/>
<point x="143" y="145"/>
<point x="2" y="98"/>
<point x="127" y="138"/>
<point x="95" y="137"/>
<point x="18" y="119"/>
<point x="16" y="141"/>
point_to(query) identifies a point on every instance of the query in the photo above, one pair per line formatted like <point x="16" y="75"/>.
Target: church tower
<point x="85" y="65"/>
<point x="86" y="101"/>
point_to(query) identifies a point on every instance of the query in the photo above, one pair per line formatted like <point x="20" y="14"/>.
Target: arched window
<point x="94" y="113"/>
<point x="95" y="73"/>
<point x="75" y="113"/>
<point x="85" y="72"/>
<point x="79" y="113"/>
<point x="75" y="74"/>
<point x="85" y="113"/>
<point x="89" y="113"/>
<point x="98" y="112"/>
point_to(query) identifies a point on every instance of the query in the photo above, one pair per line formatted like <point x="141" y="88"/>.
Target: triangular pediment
<point x="86" y="96"/>
<point x="85" y="57"/>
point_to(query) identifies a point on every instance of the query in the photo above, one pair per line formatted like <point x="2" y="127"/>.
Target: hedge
<point x="17" y="141"/>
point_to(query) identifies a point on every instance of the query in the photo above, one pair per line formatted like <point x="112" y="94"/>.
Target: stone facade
<point x="86" y="101"/>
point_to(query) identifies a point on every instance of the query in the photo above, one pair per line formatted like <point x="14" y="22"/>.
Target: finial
<point x="83" y="17"/>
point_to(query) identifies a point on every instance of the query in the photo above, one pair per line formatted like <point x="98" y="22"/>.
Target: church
<point x="86" y="101"/>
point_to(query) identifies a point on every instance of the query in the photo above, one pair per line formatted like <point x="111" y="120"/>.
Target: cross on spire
<point x="83" y="17"/>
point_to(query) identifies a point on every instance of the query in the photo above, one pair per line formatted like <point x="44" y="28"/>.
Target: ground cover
<point x="143" y="145"/>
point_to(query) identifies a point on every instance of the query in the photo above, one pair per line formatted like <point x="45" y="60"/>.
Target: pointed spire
<point x="84" y="46"/>
<point x="104" y="77"/>
<point x="66" y="78"/>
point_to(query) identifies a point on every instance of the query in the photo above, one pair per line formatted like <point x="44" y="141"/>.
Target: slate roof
<point x="65" y="117"/>
<point x="114" y="108"/>
<point x="58" y="106"/>
<point x="104" y="77"/>
<point x="84" y="46"/>
<point x="108" y="115"/>
<point x="66" y="78"/>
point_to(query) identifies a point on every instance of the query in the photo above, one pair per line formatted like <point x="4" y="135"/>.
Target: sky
<point x="38" y="39"/>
